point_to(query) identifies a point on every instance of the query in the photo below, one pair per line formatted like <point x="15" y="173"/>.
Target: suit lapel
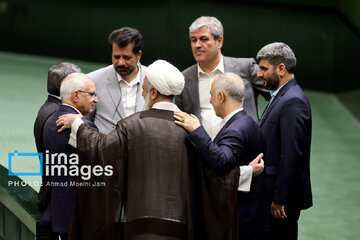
<point x="115" y="93"/>
<point x="276" y="99"/>
<point x="231" y="120"/>
<point x="193" y="83"/>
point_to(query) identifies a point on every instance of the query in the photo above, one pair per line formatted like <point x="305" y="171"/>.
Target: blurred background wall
<point x="323" y="34"/>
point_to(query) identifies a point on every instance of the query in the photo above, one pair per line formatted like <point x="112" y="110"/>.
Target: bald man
<point x="238" y="142"/>
<point x="78" y="96"/>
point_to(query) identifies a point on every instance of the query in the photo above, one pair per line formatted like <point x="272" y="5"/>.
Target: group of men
<point x="184" y="147"/>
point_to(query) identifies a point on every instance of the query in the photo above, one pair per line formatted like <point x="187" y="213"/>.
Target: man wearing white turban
<point x="157" y="189"/>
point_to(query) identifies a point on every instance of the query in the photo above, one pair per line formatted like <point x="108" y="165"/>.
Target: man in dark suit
<point x="78" y="97"/>
<point x="238" y="142"/>
<point x="286" y="126"/>
<point x="206" y="36"/>
<point x="56" y="75"/>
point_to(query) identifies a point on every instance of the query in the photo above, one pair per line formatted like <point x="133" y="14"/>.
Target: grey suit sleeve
<point x="179" y="102"/>
<point x="257" y="83"/>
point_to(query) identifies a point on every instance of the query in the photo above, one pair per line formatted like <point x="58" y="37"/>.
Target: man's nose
<point x="197" y="44"/>
<point x="121" y="61"/>
<point x="260" y="74"/>
<point x="95" y="99"/>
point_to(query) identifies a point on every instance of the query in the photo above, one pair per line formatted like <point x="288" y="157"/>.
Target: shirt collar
<point x="55" y="96"/>
<point x="166" y="106"/>
<point x="72" y="107"/>
<point x="220" y="67"/>
<point x="274" y="93"/>
<point x="136" y="80"/>
<point x="230" y="115"/>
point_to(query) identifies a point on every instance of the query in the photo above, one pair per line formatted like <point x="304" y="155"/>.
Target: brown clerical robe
<point x="159" y="189"/>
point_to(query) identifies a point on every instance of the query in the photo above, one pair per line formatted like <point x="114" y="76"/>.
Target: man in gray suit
<point x="206" y="35"/>
<point x="119" y="85"/>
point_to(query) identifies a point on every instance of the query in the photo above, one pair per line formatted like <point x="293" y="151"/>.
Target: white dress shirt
<point x="129" y="92"/>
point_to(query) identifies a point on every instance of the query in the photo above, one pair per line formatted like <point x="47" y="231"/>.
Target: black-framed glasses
<point x="93" y="94"/>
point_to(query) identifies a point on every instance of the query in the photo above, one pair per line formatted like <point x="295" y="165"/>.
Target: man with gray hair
<point x="238" y="142"/>
<point x="155" y="187"/>
<point x="78" y="96"/>
<point x="286" y="126"/>
<point x="56" y="75"/>
<point x="207" y="37"/>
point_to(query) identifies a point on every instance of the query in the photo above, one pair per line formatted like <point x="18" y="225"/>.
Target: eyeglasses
<point x="93" y="94"/>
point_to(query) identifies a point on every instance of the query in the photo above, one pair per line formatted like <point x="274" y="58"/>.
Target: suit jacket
<point x="238" y="143"/>
<point x="286" y="125"/>
<point x="50" y="106"/>
<point x="59" y="208"/>
<point x="246" y="68"/>
<point x="109" y="110"/>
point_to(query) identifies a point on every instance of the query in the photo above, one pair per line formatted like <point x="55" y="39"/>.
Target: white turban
<point x="166" y="78"/>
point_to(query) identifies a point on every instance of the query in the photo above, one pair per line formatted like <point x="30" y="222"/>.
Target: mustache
<point x="121" y="68"/>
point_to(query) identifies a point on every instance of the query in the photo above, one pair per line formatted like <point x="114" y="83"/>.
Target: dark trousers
<point x="286" y="229"/>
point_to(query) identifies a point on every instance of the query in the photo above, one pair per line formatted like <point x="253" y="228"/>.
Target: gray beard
<point x="147" y="102"/>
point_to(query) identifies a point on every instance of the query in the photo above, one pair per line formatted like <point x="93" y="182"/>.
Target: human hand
<point x="189" y="122"/>
<point x="66" y="120"/>
<point x="257" y="165"/>
<point x="278" y="211"/>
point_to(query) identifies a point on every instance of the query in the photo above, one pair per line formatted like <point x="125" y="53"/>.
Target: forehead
<point x="128" y="49"/>
<point x="264" y="63"/>
<point x="89" y="84"/>
<point x="203" y="31"/>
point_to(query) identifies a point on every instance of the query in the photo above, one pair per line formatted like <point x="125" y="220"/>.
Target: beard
<point x="272" y="82"/>
<point x="125" y="71"/>
<point x="147" y="101"/>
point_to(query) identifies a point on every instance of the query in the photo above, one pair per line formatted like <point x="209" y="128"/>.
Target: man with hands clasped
<point x="237" y="143"/>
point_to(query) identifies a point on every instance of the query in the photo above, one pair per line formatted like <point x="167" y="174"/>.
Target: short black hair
<point x="126" y="35"/>
<point x="56" y="75"/>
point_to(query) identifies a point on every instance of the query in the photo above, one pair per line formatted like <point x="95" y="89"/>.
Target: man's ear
<point x="75" y="96"/>
<point x="221" y="96"/>
<point x="281" y="70"/>
<point x="154" y="93"/>
<point x="138" y="55"/>
<point x="220" y="41"/>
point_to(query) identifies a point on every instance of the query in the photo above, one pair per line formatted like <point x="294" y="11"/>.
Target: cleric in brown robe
<point x="159" y="189"/>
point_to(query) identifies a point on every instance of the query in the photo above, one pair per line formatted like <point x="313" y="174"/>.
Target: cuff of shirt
<point x="245" y="178"/>
<point x="74" y="128"/>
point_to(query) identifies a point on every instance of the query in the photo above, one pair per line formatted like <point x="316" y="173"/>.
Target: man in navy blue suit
<point x="56" y="75"/>
<point x="78" y="96"/>
<point x="238" y="142"/>
<point x="286" y="126"/>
